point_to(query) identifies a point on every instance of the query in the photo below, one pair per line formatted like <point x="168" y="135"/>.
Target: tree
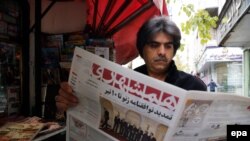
<point x="197" y="20"/>
<point x="200" y="20"/>
<point x="180" y="65"/>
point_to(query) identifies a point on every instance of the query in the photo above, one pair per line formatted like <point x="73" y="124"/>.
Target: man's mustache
<point x="161" y="58"/>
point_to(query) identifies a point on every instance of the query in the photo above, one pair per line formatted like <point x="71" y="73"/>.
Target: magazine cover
<point x="50" y="57"/>
<point x="13" y="131"/>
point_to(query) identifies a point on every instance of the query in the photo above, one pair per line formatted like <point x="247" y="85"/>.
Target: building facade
<point x="233" y="31"/>
<point x="224" y="66"/>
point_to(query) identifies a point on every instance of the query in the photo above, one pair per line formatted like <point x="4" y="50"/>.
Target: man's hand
<point x="65" y="99"/>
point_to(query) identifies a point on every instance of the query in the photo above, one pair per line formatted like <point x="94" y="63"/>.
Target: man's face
<point x="158" y="53"/>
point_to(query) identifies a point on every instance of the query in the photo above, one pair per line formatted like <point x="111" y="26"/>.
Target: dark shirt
<point x="212" y="86"/>
<point x="179" y="78"/>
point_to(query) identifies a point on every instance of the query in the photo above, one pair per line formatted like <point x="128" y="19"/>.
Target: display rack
<point x="10" y="57"/>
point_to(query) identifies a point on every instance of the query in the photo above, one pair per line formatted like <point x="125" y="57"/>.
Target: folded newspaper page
<point x="116" y="103"/>
<point x="206" y="115"/>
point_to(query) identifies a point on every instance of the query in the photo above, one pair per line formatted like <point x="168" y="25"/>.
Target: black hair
<point x="155" y="25"/>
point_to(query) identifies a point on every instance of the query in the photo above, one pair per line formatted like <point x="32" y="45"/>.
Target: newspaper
<point x="116" y="103"/>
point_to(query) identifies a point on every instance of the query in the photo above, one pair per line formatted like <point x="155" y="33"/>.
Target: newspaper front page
<point x="116" y="103"/>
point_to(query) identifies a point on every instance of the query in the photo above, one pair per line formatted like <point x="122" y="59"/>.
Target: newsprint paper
<point x="116" y="103"/>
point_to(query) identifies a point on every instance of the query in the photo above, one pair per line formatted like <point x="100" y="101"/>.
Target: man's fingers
<point x="65" y="86"/>
<point x="61" y="107"/>
<point x="65" y="98"/>
<point x="66" y="102"/>
<point x="68" y="96"/>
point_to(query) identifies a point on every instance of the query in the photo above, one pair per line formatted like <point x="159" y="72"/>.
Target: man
<point x="117" y="123"/>
<point x="212" y="85"/>
<point x="152" y="138"/>
<point x="105" y="118"/>
<point x="145" y="136"/>
<point x="157" y="42"/>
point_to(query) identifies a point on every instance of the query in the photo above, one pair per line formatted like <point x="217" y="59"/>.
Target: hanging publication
<point x="116" y="103"/>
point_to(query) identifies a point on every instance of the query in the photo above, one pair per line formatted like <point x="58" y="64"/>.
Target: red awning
<point x="116" y="19"/>
<point x="120" y="20"/>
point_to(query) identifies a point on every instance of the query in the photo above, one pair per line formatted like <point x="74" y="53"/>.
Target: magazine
<point x="117" y="103"/>
<point x="29" y="128"/>
<point x="19" y="131"/>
